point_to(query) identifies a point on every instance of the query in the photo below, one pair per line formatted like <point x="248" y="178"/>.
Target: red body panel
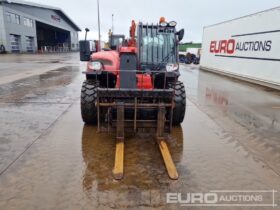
<point x="111" y="61"/>
<point x="128" y="50"/>
<point x="144" y="81"/>
<point x="111" y="56"/>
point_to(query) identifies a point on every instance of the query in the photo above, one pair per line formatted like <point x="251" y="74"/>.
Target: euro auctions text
<point x="224" y="198"/>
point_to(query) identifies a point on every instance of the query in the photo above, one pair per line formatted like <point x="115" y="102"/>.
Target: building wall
<point x="36" y="14"/>
<point x="18" y="29"/>
<point x="2" y="28"/>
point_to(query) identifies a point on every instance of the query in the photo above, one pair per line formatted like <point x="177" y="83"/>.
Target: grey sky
<point x="191" y="15"/>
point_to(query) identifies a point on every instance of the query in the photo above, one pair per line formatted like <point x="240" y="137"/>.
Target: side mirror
<point x="180" y="34"/>
<point x="87" y="30"/>
<point x="84" y="50"/>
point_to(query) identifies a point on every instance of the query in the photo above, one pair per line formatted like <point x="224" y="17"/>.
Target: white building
<point x="31" y="27"/>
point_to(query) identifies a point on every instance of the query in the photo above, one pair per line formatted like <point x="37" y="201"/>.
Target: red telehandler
<point x="135" y="85"/>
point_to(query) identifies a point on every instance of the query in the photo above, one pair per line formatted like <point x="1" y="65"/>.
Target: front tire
<point x="180" y="103"/>
<point x="88" y="99"/>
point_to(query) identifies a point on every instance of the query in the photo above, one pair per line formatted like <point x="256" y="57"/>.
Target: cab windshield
<point x="116" y="41"/>
<point x="158" y="48"/>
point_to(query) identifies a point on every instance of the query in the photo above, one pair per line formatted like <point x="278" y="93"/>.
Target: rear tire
<point x="180" y="103"/>
<point x="88" y="99"/>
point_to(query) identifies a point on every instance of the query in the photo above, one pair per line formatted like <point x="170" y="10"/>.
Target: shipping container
<point x="247" y="48"/>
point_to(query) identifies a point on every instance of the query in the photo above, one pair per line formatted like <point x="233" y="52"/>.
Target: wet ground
<point x="229" y="140"/>
<point x="18" y="66"/>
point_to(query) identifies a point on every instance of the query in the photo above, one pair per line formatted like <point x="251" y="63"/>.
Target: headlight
<point x="95" y="65"/>
<point x="172" y="67"/>
<point x="163" y="24"/>
<point x="172" y="23"/>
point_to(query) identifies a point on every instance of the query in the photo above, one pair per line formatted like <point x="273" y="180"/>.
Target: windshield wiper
<point x="166" y="58"/>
